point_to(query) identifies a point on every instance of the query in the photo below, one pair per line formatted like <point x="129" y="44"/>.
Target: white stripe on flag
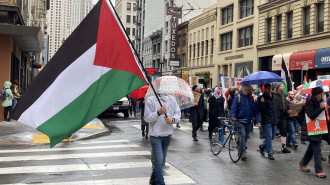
<point x="71" y="148"/>
<point x="71" y="156"/>
<point x="78" y="77"/>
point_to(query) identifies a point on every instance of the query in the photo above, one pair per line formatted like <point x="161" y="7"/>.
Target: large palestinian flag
<point x="94" y="68"/>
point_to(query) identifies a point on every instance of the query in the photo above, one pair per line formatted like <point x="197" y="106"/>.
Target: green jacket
<point x="9" y="100"/>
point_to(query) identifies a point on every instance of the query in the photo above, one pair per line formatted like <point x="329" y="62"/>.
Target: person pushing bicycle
<point x="244" y="108"/>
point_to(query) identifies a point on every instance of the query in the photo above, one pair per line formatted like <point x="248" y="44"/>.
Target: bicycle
<point x="218" y="140"/>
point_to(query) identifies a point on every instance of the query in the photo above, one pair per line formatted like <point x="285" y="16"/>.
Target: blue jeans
<point x="243" y="131"/>
<point x="137" y="106"/>
<point x="14" y="104"/>
<point x="159" y="149"/>
<point x="291" y="138"/>
<point x="269" y="133"/>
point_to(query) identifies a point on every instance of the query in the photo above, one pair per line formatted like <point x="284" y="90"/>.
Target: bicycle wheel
<point x="234" y="147"/>
<point x="216" y="143"/>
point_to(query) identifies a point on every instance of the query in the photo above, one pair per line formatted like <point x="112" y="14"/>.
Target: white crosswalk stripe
<point x="94" y="157"/>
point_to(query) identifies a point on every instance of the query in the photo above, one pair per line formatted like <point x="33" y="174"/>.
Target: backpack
<point x="3" y="95"/>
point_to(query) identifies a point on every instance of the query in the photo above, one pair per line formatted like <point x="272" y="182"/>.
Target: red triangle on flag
<point x="112" y="47"/>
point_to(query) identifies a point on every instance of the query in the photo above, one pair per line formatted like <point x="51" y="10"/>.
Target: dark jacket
<point x="231" y="98"/>
<point x="216" y="109"/>
<point x="243" y="107"/>
<point x="282" y="109"/>
<point x="196" y="113"/>
<point x="312" y="109"/>
<point x="268" y="109"/>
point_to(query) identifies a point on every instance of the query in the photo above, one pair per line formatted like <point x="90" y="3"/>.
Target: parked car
<point x="121" y="105"/>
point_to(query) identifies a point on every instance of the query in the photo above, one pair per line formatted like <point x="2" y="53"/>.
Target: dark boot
<point x="143" y="133"/>
<point x="195" y="139"/>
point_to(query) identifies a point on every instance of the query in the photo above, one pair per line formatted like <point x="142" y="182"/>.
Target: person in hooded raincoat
<point x="7" y="103"/>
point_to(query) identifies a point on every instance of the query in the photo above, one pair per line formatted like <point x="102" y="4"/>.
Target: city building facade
<point x="201" y="47"/>
<point x="236" y="39"/>
<point x="21" y="40"/>
<point x="126" y="10"/>
<point x="149" y="18"/>
<point x="79" y="10"/>
<point x="58" y="18"/>
<point x="182" y="70"/>
<point x="298" y="32"/>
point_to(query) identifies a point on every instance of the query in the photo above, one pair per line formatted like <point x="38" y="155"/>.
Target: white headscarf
<point x="215" y="94"/>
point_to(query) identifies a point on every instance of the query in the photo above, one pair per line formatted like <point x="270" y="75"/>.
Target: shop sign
<point x="322" y="58"/>
<point x="176" y="14"/>
<point x="299" y="59"/>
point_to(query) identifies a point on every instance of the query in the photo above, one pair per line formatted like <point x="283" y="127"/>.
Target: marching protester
<point x="313" y="108"/>
<point x="217" y="109"/>
<point x="202" y="90"/>
<point x="160" y="131"/>
<point x="244" y="108"/>
<point x="7" y="103"/>
<point x="269" y="116"/>
<point x="144" y="124"/>
<point x="283" y="106"/>
<point x="196" y="113"/>
<point x="292" y="123"/>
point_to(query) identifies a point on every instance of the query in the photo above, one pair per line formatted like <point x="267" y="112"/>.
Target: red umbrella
<point x="140" y="92"/>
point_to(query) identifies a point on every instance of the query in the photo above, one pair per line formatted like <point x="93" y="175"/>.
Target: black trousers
<point x="6" y="112"/>
<point x="314" y="149"/>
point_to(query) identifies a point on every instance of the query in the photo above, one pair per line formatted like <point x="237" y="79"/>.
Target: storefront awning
<point x="298" y="59"/>
<point x="322" y="58"/>
<point x="277" y="61"/>
<point x="28" y="38"/>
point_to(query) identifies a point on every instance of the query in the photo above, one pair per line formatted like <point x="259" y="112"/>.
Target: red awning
<point x="298" y="59"/>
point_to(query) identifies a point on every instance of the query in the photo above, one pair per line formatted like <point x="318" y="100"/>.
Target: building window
<point x="158" y="48"/>
<point x="134" y="6"/>
<point x="246" y="8"/>
<point x="129" y="6"/>
<point x="134" y="19"/>
<point x="269" y="29"/>
<point x="212" y="45"/>
<point x="207" y="47"/>
<point x="278" y="27"/>
<point x="128" y="31"/>
<point x="227" y="14"/>
<point x="245" y="36"/>
<point x="198" y="49"/>
<point x="166" y="27"/>
<point x="190" y="51"/>
<point x="154" y="49"/>
<point x="226" y="41"/>
<point x="128" y="19"/>
<point x="166" y="46"/>
<point x="307" y="14"/>
<point x="320" y="18"/>
<point x="203" y="48"/>
<point x="289" y="25"/>
<point x="194" y="47"/>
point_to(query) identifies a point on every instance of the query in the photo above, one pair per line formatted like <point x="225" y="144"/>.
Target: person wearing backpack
<point x="7" y="103"/>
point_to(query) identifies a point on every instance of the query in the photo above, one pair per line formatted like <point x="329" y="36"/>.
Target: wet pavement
<point x="120" y="155"/>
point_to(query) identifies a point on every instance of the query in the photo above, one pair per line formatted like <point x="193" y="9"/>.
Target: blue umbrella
<point x="261" y="77"/>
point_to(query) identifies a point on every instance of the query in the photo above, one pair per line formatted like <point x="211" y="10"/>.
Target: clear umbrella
<point x="174" y="86"/>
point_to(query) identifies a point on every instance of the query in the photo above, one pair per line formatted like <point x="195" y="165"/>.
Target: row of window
<point x="129" y="17"/>
<point x="289" y="25"/>
<point x="129" y="6"/>
<point x="246" y="8"/>
<point x="128" y="31"/>
<point x="245" y="38"/>
<point x="200" y="49"/>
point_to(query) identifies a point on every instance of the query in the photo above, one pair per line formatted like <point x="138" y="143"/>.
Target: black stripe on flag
<point x="83" y="38"/>
<point x="287" y="78"/>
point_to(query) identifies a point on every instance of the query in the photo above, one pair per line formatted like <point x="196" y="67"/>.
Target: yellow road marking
<point x="42" y="138"/>
<point x="93" y="127"/>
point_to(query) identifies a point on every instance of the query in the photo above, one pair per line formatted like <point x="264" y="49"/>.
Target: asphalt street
<point x="120" y="155"/>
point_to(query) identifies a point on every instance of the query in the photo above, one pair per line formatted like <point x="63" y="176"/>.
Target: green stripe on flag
<point x="306" y="86"/>
<point x="104" y="92"/>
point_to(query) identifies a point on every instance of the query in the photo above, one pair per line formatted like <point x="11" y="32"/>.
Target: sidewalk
<point x="15" y="133"/>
